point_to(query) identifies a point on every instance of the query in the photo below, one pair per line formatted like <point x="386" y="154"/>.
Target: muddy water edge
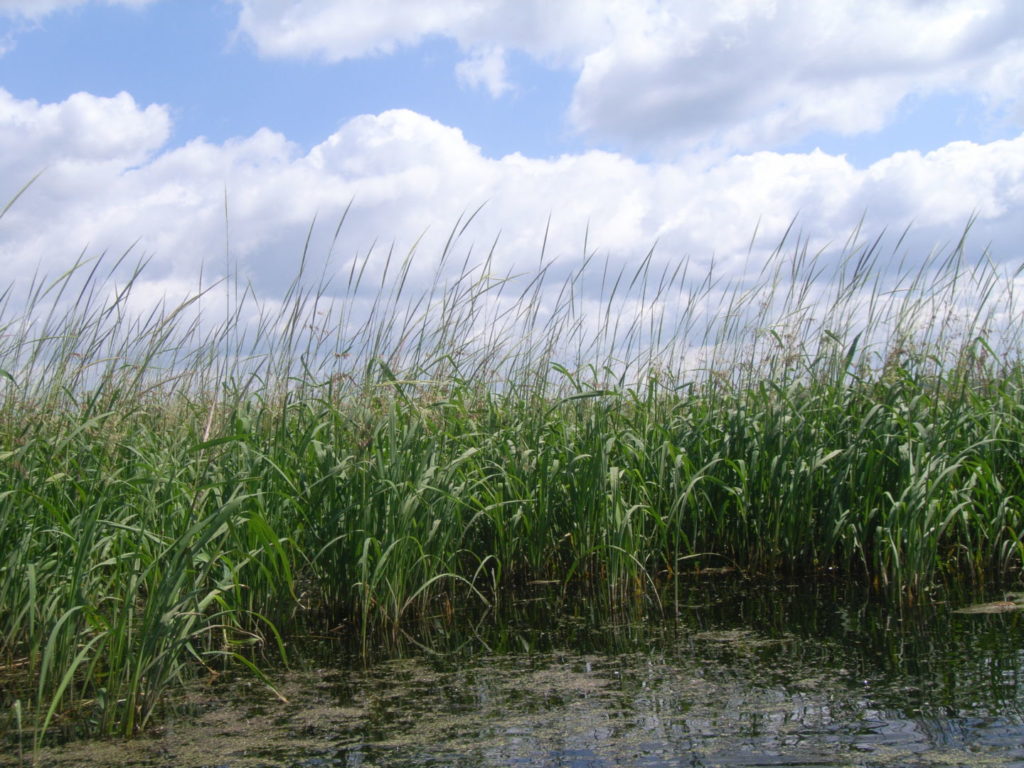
<point x="733" y="674"/>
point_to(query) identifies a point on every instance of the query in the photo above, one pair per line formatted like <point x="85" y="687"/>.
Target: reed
<point x="178" y="493"/>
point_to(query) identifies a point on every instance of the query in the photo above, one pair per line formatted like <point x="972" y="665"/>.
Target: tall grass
<point x="179" y="491"/>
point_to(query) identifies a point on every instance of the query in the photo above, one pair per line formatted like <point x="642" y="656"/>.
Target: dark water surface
<point x="779" y="675"/>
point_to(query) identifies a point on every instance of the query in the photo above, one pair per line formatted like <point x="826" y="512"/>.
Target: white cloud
<point x="343" y="29"/>
<point x="485" y="68"/>
<point x="107" y="184"/>
<point x="673" y="75"/>
<point x="775" y="72"/>
<point x="83" y="129"/>
<point x="989" y="178"/>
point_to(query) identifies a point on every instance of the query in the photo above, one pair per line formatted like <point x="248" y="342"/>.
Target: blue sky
<point x="676" y="121"/>
<point x="217" y="85"/>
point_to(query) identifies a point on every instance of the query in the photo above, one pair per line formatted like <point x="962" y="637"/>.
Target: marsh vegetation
<point x="190" y="485"/>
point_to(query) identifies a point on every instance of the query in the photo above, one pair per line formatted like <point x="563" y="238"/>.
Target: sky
<point x="187" y="130"/>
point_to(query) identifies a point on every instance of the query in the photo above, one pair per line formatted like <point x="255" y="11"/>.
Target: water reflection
<point x="743" y="675"/>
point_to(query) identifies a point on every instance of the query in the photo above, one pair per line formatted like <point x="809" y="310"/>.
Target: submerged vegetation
<point x="178" y="492"/>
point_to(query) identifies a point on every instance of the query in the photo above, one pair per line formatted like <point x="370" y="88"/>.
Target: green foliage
<point x="176" y="495"/>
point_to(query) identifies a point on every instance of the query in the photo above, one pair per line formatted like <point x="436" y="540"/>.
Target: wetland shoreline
<point x="182" y="496"/>
<point x="746" y="675"/>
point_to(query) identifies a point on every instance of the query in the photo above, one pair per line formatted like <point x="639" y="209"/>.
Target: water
<point x="777" y="675"/>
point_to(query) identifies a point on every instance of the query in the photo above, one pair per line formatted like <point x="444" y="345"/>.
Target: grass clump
<point x="177" y="493"/>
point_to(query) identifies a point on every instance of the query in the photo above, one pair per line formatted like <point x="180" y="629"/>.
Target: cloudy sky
<point x="685" y="123"/>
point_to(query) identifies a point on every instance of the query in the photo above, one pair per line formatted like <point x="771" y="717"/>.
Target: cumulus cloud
<point x="109" y="182"/>
<point x="775" y="72"/>
<point x="334" y="30"/>
<point x="88" y="149"/>
<point x="342" y="30"/>
<point x="674" y="75"/>
<point x="83" y="129"/>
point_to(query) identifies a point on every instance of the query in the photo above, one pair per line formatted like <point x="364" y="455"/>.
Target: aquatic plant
<point x="183" y="487"/>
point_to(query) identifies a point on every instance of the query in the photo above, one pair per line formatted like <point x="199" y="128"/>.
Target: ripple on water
<point x="795" y="680"/>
